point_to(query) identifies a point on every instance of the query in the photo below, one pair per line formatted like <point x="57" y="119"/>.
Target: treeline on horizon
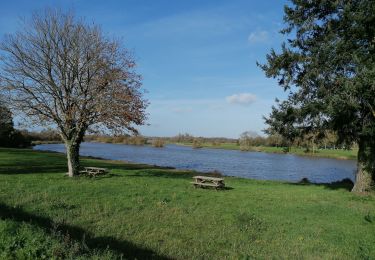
<point x="247" y="141"/>
<point x="11" y="137"/>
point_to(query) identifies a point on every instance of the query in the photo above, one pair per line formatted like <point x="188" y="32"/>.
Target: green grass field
<point x="143" y="212"/>
<point x="327" y="153"/>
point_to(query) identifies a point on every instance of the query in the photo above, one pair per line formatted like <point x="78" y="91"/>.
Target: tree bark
<point x="364" y="180"/>
<point x="72" y="153"/>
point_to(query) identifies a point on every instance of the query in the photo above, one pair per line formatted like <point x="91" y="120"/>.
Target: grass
<point x="327" y="153"/>
<point x="140" y="211"/>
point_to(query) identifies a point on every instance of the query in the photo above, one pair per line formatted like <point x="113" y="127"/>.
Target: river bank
<point x="325" y="153"/>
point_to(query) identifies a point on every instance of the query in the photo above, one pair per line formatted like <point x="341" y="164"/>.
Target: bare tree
<point x="62" y="71"/>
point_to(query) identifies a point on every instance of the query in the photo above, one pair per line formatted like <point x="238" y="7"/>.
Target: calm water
<point x="254" y="165"/>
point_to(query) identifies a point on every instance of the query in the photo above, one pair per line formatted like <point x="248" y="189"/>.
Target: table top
<point x="95" y="168"/>
<point x="208" y="178"/>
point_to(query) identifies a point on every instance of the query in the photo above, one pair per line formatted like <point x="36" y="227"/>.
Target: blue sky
<point x="197" y="58"/>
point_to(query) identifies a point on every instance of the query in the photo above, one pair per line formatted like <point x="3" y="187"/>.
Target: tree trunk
<point x="365" y="167"/>
<point x="72" y="153"/>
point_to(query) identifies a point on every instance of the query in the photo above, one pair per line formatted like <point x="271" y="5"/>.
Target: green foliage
<point x="10" y="137"/>
<point x="249" y="140"/>
<point x="6" y="126"/>
<point x="328" y="67"/>
<point x="143" y="212"/>
<point x="23" y="240"/>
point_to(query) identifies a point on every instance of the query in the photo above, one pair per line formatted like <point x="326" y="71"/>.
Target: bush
<point x="18" y="139"/>
<point x="136" y="140"/>
<point x="10" y="137"/>
<point x="197" y="143"/>
<point x="159" y="143"/>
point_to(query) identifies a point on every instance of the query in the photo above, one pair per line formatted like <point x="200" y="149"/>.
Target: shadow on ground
<point x="345" y="184"/>
<point x="32" y="168"/>
<point x="162" y="173"/>
<point x="56" y="163"/>
<point x="125" y="248"/>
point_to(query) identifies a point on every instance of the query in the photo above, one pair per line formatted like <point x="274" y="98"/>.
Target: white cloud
<point x="258" y="37"/>
<point x="241" y="99"/>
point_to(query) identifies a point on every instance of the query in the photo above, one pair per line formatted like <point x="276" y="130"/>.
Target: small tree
<point x="10" y="137"/>
<point x="246" y="140"/>
<point x="158" y="142"/>
<point x="197" y="143"/>
<point x="61" y="71"/>
<point x="6" y="126"/>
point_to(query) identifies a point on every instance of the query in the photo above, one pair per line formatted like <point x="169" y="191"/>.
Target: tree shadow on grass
<point x="30" y="165"/>
<point x="99" y="177"/>
<point x="225" y="188"/>
<point x="177" y="175"/>
<point x="163" y="173"/>
<point x="125" y="248"/>
<point x="32" y="168"/>
<point x="345" y="184"/>
<point x="181" y="174"/>
<point x="33" y="162"/>
<point x="26" y="161"/>
<point x="116" y="165"/>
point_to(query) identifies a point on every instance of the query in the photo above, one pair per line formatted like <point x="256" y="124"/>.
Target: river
<point x="254" y="165"/>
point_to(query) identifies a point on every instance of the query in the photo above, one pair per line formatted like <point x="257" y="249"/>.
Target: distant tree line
<point x="248" y="140"/>
<point x="197" y="142"/>
<point x="10" y="137"/>
<point x="120" y="139"/>
<point x="44" y="136"/>
<point x="187" y="138"/>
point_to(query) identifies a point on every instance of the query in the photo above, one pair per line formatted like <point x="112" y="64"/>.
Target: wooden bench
<point x="94" y="171"/>
<point x="204" y="181"/>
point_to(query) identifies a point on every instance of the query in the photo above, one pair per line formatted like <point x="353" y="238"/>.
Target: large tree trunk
<point x="365" y="167"/>
<point x="72" y="153"/>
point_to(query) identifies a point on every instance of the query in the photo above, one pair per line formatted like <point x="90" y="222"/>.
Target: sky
<point x="197" y="58"/>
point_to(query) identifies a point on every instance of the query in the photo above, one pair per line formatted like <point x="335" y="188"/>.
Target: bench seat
<point x="207" y="184"/>
<point x="93" y="171"/>
<point x="208" y="178"/>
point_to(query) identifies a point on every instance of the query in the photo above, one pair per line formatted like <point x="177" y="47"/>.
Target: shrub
<point x="136" y="140"/>
<point x="159" y="143"/>
<point x="197" y="143"/>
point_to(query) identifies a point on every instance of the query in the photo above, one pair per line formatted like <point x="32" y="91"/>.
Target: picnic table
<point x="94" y="171"/>
<point x="205" y="181"/>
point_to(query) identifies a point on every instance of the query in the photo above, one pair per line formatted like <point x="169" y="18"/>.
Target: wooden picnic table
<point x="205" y="181"/>
<point x="94" y="171"/>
